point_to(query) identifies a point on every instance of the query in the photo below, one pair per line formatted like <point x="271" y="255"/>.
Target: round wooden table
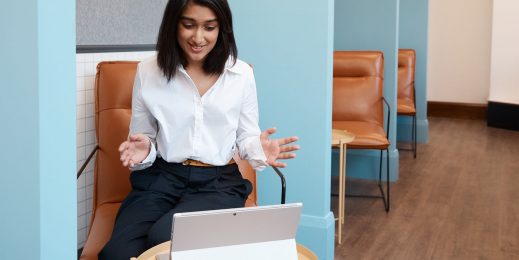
<point x="303" y="253"/>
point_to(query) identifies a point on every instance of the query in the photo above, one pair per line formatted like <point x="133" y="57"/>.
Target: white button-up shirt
<point x="183" y="125"/>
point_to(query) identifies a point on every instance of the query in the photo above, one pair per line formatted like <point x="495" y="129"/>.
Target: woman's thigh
<point x="130" y="234"/>
<point x="228" y="190"/>
<point x="154" y="193"/>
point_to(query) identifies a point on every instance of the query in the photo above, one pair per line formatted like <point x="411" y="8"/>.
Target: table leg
<point x="343" y="183"/>
<point x="341" y="194"/>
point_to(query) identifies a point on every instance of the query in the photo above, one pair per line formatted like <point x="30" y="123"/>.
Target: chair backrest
<point x="358" y="80"/>
<point x="113" y="91"/>
<point x="113" y="95"/>
<point x="406" y="73"/>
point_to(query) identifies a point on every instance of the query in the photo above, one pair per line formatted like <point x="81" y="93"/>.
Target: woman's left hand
<point x="276" y="149"/>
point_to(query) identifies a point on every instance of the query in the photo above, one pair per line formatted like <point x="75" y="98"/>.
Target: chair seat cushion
<point x="406" y="107"/>
<point x="250" y="203"/>
<point x="367" y="135"/>
<point x="100" y="231"/>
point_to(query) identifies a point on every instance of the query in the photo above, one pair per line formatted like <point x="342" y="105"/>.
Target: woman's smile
<point x="196" y="48"/>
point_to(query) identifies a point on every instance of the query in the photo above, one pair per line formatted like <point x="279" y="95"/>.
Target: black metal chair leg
<point x="383" y="196"/>
<point x="414" y="136"/>
<point x="380" y="170"/>
<point x="387" y="180"/>
<point x="382" y="193"/>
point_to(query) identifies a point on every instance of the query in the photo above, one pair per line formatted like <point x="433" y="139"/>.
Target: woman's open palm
<point x="134" y="150"/>
<point x="276" y="149"/>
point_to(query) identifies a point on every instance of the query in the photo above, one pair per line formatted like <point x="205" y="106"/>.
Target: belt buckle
<point x="186" y="162"/>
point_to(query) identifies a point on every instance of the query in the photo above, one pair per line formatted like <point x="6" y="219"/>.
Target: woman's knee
<point x="160" y="231"/>
<point x="117" y="249"/>
<point x="109" y="251"/>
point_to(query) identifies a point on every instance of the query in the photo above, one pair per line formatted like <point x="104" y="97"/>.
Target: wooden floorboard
<point x="459" y="199"/>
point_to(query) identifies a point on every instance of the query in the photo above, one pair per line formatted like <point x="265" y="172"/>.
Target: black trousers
<point x="145" y="217"/>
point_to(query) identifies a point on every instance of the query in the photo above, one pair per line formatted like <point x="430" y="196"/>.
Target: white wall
<point x="504" y="78"/>
<point x="459" y="50"/>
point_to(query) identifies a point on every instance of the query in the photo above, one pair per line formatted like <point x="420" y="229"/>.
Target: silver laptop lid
<point x="227" y="227"/>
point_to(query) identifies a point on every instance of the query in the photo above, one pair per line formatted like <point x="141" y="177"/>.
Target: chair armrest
<point x="87" y="161"/>
<point x="388" y="116"/>
<point x="283" y="184"/>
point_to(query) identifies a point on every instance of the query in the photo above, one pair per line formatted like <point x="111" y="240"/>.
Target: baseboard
<point x="404" y="129"/>
<point x="503" y="115"/>
<point x="364" y="164"/>
<point x="457" y="110"/>
<point x="318" y="234"/>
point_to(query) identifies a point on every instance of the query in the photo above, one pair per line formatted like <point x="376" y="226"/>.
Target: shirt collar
<point x="230" y="65"/>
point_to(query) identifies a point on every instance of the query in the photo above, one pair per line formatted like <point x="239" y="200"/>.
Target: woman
<point x="193" y="107"/>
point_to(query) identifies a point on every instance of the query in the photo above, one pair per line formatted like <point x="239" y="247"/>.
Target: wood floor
<point x="459" y="199"/>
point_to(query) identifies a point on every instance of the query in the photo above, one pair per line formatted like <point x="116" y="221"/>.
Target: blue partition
<point x="413" y="33"/>
<point x="38" y="155"/>
<point x="371" y="25"/>
<point x="290" y="45"/>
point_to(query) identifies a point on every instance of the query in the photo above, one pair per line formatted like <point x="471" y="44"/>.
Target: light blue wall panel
<point x="413" y="35"/>
<point x="37" y="184"/>
<point x="371" y="25"/>
<point x="19" y="177"/>
<point x="290" y="45"/>
<point x="57" y="128"/>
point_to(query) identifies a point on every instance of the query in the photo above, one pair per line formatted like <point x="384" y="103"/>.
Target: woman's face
<point x="197" y="33"/>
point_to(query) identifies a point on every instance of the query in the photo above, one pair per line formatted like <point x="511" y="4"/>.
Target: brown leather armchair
<point x="358" y="105"/>
<point x="406" y="102"/>
<point x="113" y="91"/>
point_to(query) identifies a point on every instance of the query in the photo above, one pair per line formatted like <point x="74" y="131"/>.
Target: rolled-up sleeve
<point x="142" y="121"/>
<point x="248" y="132"/>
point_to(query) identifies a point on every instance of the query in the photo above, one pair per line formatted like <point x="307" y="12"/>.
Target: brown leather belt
<point x="190" y="162"/>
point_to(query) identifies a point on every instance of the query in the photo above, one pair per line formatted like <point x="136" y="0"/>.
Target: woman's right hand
<point x="134" y="150"/>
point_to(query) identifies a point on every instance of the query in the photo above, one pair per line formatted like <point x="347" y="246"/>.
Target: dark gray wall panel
<point x="118" y="22"/>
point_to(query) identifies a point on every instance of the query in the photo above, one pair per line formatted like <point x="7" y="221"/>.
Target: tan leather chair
<point x="113" y="97"/>
<point x="406" y="102"/>
<point x="358" y="105"/>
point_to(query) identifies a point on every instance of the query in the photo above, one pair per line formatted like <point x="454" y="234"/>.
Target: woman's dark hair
<point x="169" y="54"/>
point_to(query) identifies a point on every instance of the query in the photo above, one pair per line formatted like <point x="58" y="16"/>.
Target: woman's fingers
<point x="127" y="150"/>
<point x="265" y="134"/>
<point x="287" y="140"/>
<point x="270" y="131"/>
<point x="289" y="148"/>
<point x="125" y="153"/>
<point x="285" y="156"/>
<point x="123" y="146"/>
<point x="125" y="158"/>
<point x="278" y="164"/>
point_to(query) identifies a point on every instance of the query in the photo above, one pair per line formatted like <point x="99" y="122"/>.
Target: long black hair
<point x="169" y="54"/>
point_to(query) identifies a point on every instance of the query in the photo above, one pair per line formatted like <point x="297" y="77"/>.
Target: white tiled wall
<point x="86" y="140"/>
